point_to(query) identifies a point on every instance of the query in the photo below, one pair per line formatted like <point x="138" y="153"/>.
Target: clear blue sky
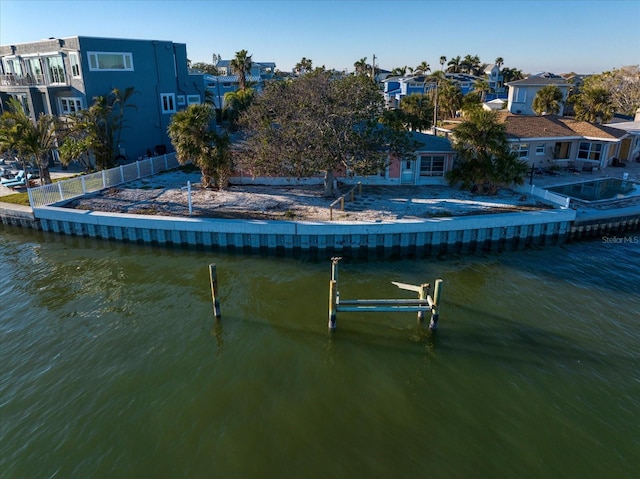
<point x="583" y="36"/>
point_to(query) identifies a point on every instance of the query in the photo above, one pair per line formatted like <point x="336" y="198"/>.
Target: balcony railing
<point x="33" y="80"/>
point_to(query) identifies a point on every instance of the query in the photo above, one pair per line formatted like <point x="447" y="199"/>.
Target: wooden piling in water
<point x="213" y="277"/>
<point x="437" y="298"/>
<point x="422" y="296"/>
<point x="333" y="296"/>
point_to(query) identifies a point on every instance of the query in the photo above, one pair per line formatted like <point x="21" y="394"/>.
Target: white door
<point x="408" y="173"/>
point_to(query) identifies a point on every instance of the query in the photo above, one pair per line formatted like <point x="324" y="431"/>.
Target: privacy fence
<point x="66" y="190"/>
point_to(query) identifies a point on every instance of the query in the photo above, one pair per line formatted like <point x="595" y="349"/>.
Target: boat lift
<point x="421" y="305"/>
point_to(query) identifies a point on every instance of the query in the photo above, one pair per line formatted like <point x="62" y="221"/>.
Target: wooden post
<point x="437" y="298"/>
<point x="213" y="275"/>
<point x="333" y="289"/>
<point x="422" y="296"/>
<point x="342" y="203"/>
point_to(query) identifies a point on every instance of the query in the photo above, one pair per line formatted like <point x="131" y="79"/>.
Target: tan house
<point x="552" y="141"/>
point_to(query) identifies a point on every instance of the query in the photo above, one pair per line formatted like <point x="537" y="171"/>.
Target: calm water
<point x="112" y="366"/>
<point x="597" y="190"/>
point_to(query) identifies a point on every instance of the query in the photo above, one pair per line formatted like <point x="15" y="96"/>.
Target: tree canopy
<point x="319" y="123"/>
<point x="241" y="66"/>
<point x="485" y="161"/>
<point x="417" y="111"/>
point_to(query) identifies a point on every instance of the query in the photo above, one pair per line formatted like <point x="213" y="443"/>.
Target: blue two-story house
<point x="59" y="76"/>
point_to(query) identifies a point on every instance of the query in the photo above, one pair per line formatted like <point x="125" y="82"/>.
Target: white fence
<point x="554" y="198"/>
<point x="82" y="185"/>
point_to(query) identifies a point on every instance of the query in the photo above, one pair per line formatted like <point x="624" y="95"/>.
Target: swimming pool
<point x="598" y="190"/>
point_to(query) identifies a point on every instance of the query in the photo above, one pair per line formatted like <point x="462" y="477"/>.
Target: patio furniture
<point x="19" y="176"/>
<point x="17" y="181"/>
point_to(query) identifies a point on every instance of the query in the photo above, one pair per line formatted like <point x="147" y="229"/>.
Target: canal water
<point x="112" y="365"/>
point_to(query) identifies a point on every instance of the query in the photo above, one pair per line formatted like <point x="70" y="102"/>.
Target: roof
<point x="431" y="143"/>
<point x="539" y="81"/>
<point x="552" y="126"/>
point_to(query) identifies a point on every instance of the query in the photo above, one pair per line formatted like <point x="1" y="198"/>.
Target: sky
<point x="558" y="36"/>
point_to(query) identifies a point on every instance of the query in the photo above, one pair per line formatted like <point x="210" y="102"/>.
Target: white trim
<point x="96" y="68"/>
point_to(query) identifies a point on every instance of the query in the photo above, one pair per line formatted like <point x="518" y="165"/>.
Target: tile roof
<point x="552" y="126"/>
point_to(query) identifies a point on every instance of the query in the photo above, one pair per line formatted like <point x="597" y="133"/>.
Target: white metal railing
<point x="65" y="190"/>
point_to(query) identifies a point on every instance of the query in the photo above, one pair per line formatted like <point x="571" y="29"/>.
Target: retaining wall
<point x="430" y="236"/>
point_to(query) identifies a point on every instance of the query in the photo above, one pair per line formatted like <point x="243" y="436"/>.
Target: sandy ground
<point x="167" y="194"/>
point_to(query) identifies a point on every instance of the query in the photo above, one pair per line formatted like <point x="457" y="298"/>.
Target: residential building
<point x="550" y="141"/>
<point x="522" y="92"/>
<point x="60" y="76"/>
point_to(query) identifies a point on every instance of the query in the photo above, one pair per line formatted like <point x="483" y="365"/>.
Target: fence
<point x="82" y="185"/>
<point x="554" y="198"/>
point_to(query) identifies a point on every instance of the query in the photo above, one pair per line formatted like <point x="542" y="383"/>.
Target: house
<point x="552" y="141"/>
<point x="60" y="76"/>
<point x="396" y="88"/>
<point x="497" y="90"/>
<point x="219" y="85"/>
<point x="630" y="147"/>
<point x="522" y="92"/>
<point x="432" y="159"/>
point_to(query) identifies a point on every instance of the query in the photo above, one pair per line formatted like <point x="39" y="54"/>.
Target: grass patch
<point x="16" y="199"/>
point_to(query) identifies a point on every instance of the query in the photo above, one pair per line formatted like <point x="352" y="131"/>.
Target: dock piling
<point x="213" y="277"/>
<point x="437" y="298"/>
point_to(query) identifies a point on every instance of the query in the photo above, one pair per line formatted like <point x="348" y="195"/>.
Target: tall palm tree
<point x="399" y="71"/>
<point x="471" y="64"/>
<point x="241" y="66"/>
<point x="454" y="65"/>
<point x="511" y="74"/>
<point x="499" y="62"/>
<point x="449" y="98"/>
<point x="548" y="100"/>
<point x="423" y="68"/>
<point x="443" y="60"/>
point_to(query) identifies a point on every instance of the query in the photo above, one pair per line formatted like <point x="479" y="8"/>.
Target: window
<point x="193" y="99"/>
<point x="540" y="149"/>
<point x="589" y="151"/>
<point x="180" y="100"/>
<point x="110" y="61"/>
<point x="520" y="95"/>
<point x="24" y="103"/>
<point x="431" y="165"/>
<point x="168" y="101"/>
<point x="55" y="69"/>
<point x="74" y="60"/>
<point x="520" y="149"/>
<point x="12" y="66"/>
<point x="70" y="105"/>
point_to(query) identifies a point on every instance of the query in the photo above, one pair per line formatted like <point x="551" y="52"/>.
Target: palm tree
<point x="399" y="71"/>
<point x="593" y="104"/>
<point x="484" y="159"/>
<point x="443" y="60"/>
<point x="423" y="68"/>
<point x="235" y="102"/>
<point x="29" y="140"/>
<point x="305" y="65"/>
<point x="471" y="64"/>
<point x="194" y="140"/>
<point x="511" y="74"/>
<point x="454" y="65"/>
<point x="362" y="67"/>
<point x="241" y="66"/>
<point x="481" y="86"/>
<point x="97" y="130"/>
<point x="449" y="98"/>
<point x="548" y="100"/>
<point x="499" y="62"/>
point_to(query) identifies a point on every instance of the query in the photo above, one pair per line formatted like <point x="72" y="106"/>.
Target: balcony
<point x="59" y="79"/>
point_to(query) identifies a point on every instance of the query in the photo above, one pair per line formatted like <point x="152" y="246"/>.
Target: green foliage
<point x="97" y="130"/>
<point x="208" y="68"/>
<point x="622" y="85"/>
<point x="593" y="104"/>
<point x="449" y="99"/>
<point x="241" y="66"/>
<point x="31" y="142"/>
<point x="417" y="111"/>
<point x="484" y="158"/>
<point x="319" y="123"/>
<point x="548" y="100"/>
<point x="235" y="102"/>
<point x="194" y="140"/>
